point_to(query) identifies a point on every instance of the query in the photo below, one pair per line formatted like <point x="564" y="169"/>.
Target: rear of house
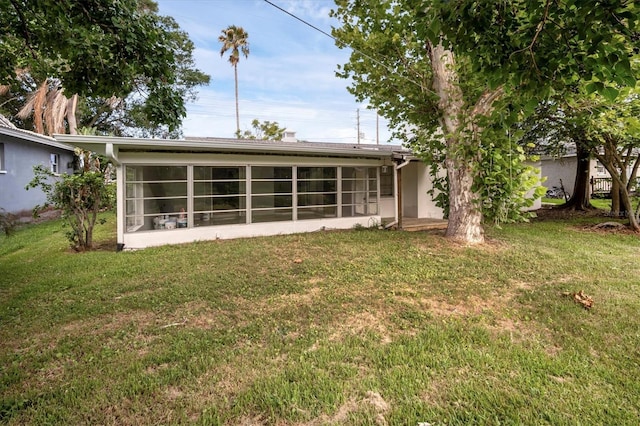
<point x="173" y="191"/>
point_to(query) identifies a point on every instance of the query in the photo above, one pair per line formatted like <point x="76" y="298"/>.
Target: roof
<point x="103" y="144"/>
<point x="33" y="137"/>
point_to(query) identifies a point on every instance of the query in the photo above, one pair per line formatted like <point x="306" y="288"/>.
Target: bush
<point x="8" y="222"/>
<point x="80" y="197"/>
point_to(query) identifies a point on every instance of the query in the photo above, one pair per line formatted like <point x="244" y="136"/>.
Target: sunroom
<point x="177" y="191"/>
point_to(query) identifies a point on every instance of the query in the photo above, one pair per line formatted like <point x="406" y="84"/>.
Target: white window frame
<point x="54" y="163"/>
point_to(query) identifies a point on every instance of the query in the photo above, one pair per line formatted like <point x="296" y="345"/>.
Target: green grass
<point x="600" y="203"/>
<point x="360" y="327"/>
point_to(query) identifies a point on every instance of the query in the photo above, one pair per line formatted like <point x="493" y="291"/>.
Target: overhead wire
<point x="387" y="67"/>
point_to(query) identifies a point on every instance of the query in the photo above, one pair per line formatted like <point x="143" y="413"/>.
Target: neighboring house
<point x="178" y="191"/>
<point x="562" y="172"/>
<point x="20" y="151"/>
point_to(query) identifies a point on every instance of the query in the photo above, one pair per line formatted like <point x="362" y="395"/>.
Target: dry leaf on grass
<point x="580" y="298"/>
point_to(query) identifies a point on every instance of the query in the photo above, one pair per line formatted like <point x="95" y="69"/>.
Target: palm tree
<point x="49" y="107"/>
<point x="235" y="39"/>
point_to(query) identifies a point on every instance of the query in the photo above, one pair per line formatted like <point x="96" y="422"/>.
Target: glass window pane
<point x="219" y="188"/>
<point x="317" y="212"/>
<point x="163" y="190"/>
<point x="271" y="187"/>
<point x="386" y="181"/>
<point x="208" y="204"/>
<point x="317" y="172"/>
<point x="267" y="201"/>
<point x="317" y="186"/>
<point x="263" y="172"/>
<point x="272" y="215"/>
<point x="353" y="198"/>
<point x="219" y="173"/>
<point x="316" y="199"/>
<point x="157" y="173"/>
<point x="170" y="206"/>
<point x="220" y="218"/>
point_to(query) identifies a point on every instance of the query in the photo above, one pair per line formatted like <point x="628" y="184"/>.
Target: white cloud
<point x="289" y="76"/>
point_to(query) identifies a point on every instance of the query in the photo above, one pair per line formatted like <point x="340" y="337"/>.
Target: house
<point x="560" y="172"/>
<point x="178" y="191"/>
<point x="20" y="151"/>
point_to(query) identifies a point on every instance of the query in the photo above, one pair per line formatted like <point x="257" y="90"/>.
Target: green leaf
<point x="595" y="86"/>
<point x="610" y="93"/>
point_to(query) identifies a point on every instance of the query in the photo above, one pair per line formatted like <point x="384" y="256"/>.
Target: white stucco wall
<point x="559" y="169"/>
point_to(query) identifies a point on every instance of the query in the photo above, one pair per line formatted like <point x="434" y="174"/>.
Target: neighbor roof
<point x="33" y="137"/>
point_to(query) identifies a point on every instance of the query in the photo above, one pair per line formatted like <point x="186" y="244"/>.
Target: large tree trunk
<point x="465" y="216"/>
<point x="465" y="219"/>
<point x="580" y="197"/>
<point x="615" y="198"/>
<point x="72" y="106"/>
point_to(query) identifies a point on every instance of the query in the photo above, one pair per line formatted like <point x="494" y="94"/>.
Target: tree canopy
<point x="101" y="49"/>
<point x="453" y="78"/>
<point x="266" y="130"/>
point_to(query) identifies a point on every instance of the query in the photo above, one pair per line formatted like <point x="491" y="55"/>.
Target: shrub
<point x="8" y="222"/>
<point x="80" y="196"/>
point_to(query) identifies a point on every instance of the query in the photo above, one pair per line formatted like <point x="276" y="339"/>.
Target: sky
<point x="289" y="76"/>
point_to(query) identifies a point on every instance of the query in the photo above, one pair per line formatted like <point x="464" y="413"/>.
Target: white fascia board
<point x="98" y="144"/>
<point x="34" y="137"/>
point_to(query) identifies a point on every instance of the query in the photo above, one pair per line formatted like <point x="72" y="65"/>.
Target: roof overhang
<point x="34" y="137"/>
<point x="108" y="145"/>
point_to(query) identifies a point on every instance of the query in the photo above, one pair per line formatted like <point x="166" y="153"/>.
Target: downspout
<point x="111" y="153"/>
<point x="398" y="168"/>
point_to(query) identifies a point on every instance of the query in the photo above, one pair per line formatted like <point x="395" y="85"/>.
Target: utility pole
<point x="358" y="123"/>
<point x="377" y="128"/>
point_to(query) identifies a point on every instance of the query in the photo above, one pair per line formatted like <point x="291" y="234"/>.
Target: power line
<point x="388" y="68"/>
<point x="303" y="21"/>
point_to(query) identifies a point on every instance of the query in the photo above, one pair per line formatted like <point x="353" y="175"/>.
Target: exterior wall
<point x="416" y="202"/>
<point x="388" y="207"/>
<point x="559" y="169"/>
<point x="426" y="205"/>
<point x="148" y="238"/>
<point x="19" y="157"/>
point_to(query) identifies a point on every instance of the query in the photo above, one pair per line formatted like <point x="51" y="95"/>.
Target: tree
<point x="267" y="130"/>
<point x="433" y="101"/>
<point x="613" y="133"/>
<point x="235" y="39"/>
<point x="80" y="197"/>
<point x="552" y="129"/>
<point x="452" y="77"/>
<point x="97" y="49"/>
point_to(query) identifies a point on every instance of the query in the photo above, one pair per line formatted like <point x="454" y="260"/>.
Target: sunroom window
<point x="168" y="197"/>
<point x="317" y="192"/>
<point x="156" y="197"/>
<point x="359" y="191"/>
<point x="272" y="194"/>
<point x="219" y="195"/>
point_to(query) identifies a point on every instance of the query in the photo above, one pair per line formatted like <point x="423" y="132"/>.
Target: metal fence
<point x="602" y="186"/>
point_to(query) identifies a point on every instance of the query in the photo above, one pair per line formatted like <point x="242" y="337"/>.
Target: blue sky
<point x="289" y="76"/>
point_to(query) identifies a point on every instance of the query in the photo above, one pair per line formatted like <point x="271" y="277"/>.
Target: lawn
<point x="357" y="327"/>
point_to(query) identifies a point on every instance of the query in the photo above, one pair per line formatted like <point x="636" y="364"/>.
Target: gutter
<point x="404" y="162"/>
<point x="112" y="153"/>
